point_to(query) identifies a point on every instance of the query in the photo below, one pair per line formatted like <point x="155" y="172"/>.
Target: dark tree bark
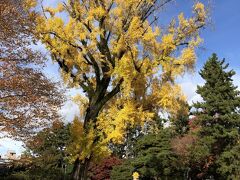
<point x="80" y="169"/>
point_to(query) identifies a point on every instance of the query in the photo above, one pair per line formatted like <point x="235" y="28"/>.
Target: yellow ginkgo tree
<point x="124" y="62"/>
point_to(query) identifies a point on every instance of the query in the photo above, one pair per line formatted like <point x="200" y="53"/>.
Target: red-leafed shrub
<point x="180" y="145"/>
<point x="102" y="170"/>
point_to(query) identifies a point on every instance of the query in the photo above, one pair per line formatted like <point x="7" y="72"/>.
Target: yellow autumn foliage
<point x="125" y="63"/>
<point x="83" y="146"/>
<point x="122" y="114"/>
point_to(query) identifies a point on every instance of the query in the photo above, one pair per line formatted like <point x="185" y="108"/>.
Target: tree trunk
<point x="80" y="170"/>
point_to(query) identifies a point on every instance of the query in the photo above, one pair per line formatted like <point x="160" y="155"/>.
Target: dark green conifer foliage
<point x="153" y="159"/>
<point x="219" y="118"/>
<point x="180" y="122"/>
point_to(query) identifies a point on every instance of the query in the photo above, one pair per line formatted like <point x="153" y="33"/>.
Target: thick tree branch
<point x="112" y="93"/>
<point x="94" y="63"/>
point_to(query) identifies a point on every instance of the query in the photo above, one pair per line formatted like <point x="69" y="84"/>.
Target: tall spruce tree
<point x="219" y="119"/>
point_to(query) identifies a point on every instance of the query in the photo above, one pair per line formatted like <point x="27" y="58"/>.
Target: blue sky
<point x="221" y="36"/>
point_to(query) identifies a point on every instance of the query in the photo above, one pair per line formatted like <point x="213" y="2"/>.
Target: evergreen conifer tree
<point x="219" y="120"/>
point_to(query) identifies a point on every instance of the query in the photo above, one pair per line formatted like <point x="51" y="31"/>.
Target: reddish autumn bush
<point x="180" y="145"/>
<point x="102" y="170"/>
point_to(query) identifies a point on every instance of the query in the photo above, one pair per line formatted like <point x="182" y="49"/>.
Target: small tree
<point x="125" y="65"/>
<point x="48" y="155"/>
<point x="101" y="170"/>
<point x="153" y="158"/>
<point x="181" y="122"/>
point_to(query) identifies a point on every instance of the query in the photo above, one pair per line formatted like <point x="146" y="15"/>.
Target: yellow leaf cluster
<point x="135" y="176"/>
<point x="199" y="9"/>
<point x="82" y="103"/>
<point x="30" y="3"/>
<point x="83" y="145"/>
<point x="122" y="114"/>
<point x="168" y="97"/>
<point x="96" y="13"/>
